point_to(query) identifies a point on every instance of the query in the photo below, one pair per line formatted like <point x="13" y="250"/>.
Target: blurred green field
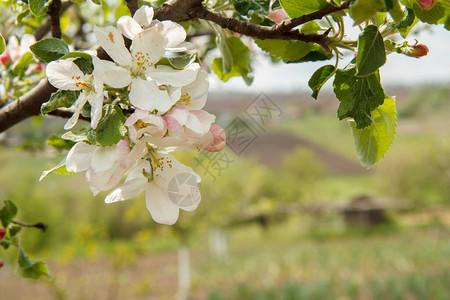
<point x="100" y="251"/>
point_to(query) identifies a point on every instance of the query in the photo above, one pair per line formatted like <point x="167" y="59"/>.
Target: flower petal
<point x="79" y="157"/>
<point x="146" y="95"/>
<point x="128" y="26"/>
<point x="104" y="158"/>
<point x="167" y="75"/>
<point x="127" y="190"/>
<point x="161" y="209"/>
<point x="111" y="74"/>
<point x="175" y="33"/>
<point x="78" y="106"/>
<point x="197" y="91"/>
<point x="65" y="75"/>
<point x="149" y="46"/>
<point x="199" y="121"/>
<point x="112" y="41"/>
<point x="144" y="15"/>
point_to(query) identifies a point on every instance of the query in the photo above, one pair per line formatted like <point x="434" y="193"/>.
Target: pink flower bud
<point x="419" y="50"/>
<point x="219" y="136"/>
<point x="5" y="58"/>
<point x="278" y="15"/>
<point x="1" y="264"/>
<point x="427" y="4"/>
<point x="2" y="233"/>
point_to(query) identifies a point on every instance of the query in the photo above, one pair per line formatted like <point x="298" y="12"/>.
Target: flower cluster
<point x="163" y="105"/>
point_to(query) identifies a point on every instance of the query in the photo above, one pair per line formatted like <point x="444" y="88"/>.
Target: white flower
<point x="16" y="49"/>
<point x="139" y="69"/>
<point x="194" y="94"/>
<point x="104" y="166"/>
<point x="143" y="20"/>
<point x="168" y="186"/>
<point x="65" y="75"/>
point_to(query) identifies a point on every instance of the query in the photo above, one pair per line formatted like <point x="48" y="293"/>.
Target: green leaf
<point x="14" y="230"/>
<point x="247" y="7"/>
<point x="7" y="213"/>
<point x="20" y="66"/>
<point x="60" y="143"/>
<point x="38" y="7"/>
<point x="178" y="62"/>
<point x="77" y="54"/>
<point x="111" y="129"/>
<point x="371" y="53"/>
<point x="240" y="57"/>
<point x="60" y="98"/>
<point x="363" y="10"/>
<point x="396" y="12"/>
<point x="374" y="141"/>
<point x="76" y="136"/>
<point x="319" y="78"/>
<point x="227" y="56"/>
<point x="2" y="44"/>
<point x="358" y="95"/>
<point x="50" y="49"/>
<point x="31" y="269"/>
<point x="286" y="50"/>
<point x="84" y="64"/>
<point x="316" y="54"/>
<point x="60" y="168"/>
<point x="432" y="16"/>
<point x="298" y="8"/>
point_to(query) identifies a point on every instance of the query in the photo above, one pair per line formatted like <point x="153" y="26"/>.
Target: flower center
<point x="159" y="163"/>
<point x="184" y="100"/>
<point x="141" y="62"/>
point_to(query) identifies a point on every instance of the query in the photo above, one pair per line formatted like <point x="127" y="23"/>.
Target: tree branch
<point x="53" y="11"/>
<point x="290" y="24"/>
<point x="46" y="27"/>
<point x="132" y="5"/>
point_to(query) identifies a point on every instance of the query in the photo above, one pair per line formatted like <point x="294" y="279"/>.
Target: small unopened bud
<point x="427" y="4"/>
<point x="2" y="233"/>
<point x="278" y="15"/>
<point x="5" y="58"/>
<point x="419" y="50"/>
<point x="1" y="264"/>
<point x="219" y="136"/>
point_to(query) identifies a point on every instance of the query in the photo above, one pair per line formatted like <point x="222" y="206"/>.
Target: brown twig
<point x="53" y="11"/>
<point x="132" y="6"/>
<point x="38" y="225"/>
<point x="46" y="27"/>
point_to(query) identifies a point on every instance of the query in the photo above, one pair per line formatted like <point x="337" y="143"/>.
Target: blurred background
<point x="287" y="211"/>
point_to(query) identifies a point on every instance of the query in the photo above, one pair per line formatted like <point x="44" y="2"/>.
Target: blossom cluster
<point x="163" y="106"/>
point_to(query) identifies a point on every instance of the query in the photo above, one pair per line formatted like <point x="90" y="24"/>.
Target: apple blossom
<point x="155" y="177"/>
<point x="16" y="49"/>
<point x="66" y="75"/>
<point x="139" y="68"/>
<point x="2" y="233"/>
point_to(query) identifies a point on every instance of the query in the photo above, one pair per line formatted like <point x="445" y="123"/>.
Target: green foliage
<point x="234" y="61"/>
<point x="50" y="49"/>
<point x="371" y="53"/>
<point x="38" y="7"/>
<point x="111" y="128"/>
<point x="31" y="269"/>
<point x="2" y="44"/>
<point x="374" y="141"/>
<point x="247" y="7"/>
<point x="59" y="143"/>
<point x="178" y="62"/>
<point x="60" y="98"/>
<point x="358" y="95"/>
<point x="436" y="15"/>
<point x="286" y="50"/>
<point x="364" y="10"/>
<point x="7" y="213"/>
<point x="319" y="78"/>
<point x="22" y="64"/>
<point x="296" y="9"/>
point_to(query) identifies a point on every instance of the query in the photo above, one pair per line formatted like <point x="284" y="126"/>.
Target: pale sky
<point x="398" y="70"/>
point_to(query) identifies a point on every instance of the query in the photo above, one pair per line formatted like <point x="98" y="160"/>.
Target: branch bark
<point x="55" y="25"/>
